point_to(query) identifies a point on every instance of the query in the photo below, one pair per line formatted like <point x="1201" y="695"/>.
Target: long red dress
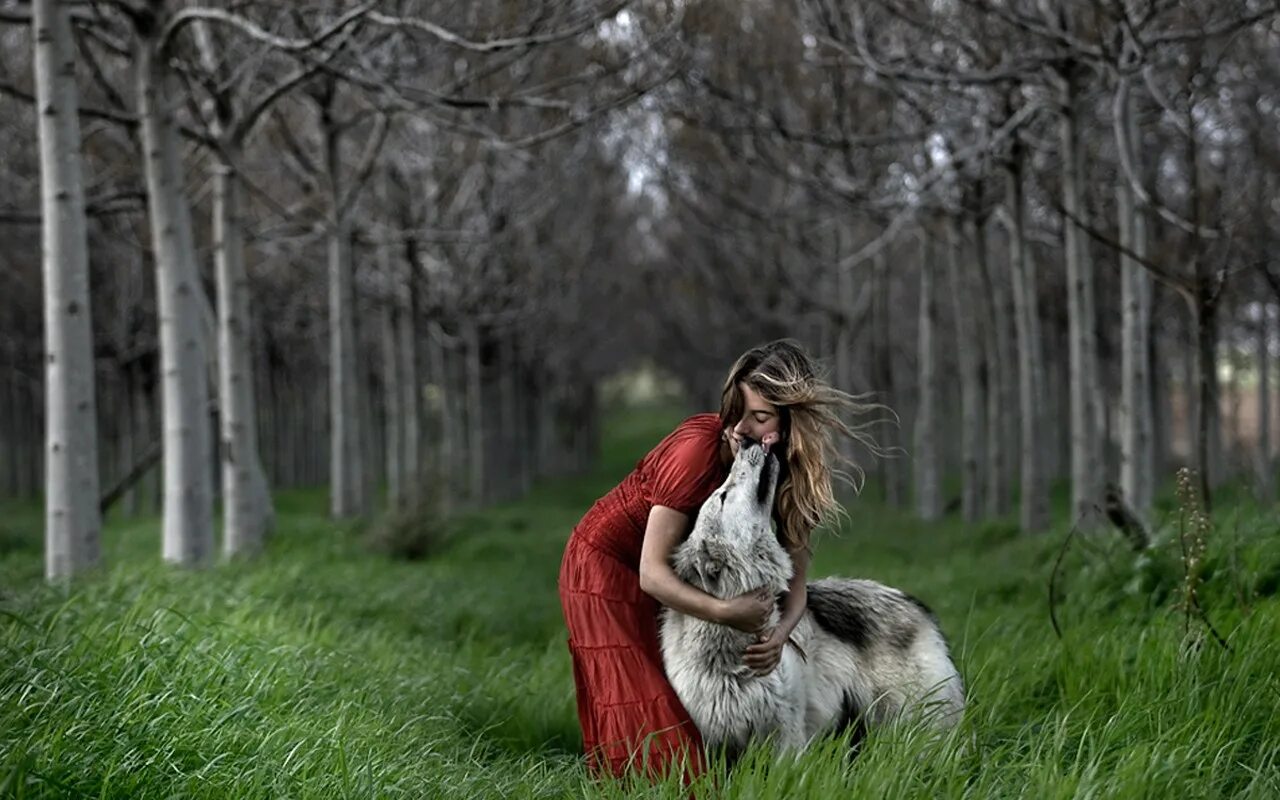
<point x="630" y="715"/>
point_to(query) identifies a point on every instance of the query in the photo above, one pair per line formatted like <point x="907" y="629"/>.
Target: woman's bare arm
<point x="664" y="530"/>
<point x="797" y="594"/>
<point x="764" y="655"/>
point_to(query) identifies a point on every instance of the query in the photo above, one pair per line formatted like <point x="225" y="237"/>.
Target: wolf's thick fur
<point x="865" y="653"/>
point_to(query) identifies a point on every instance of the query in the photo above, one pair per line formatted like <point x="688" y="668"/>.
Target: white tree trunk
<point x="246" y="499"/>
<point x="997" y="358"/>
<point x="1137" y="462"/>
<point x="345" y="451"/>
<point x="392" y="398"/>
<point x="1086" y="462"/>
<point x="188" y="511"/>
<point x="449" y="427"/>
<point x="72" y="522"/>
<point x="411" y="390"/>
<point x="968" y="351"/>
<point x="1034" y="512"/>
<point x="928" y="488"/>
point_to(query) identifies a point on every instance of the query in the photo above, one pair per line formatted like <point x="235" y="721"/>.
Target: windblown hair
<point x="813" y="413"/>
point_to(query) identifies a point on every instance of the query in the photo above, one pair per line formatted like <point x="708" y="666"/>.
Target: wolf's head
<point x="731" y="548"/>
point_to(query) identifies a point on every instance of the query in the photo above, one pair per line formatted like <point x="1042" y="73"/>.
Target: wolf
<point x="863" y="653"/>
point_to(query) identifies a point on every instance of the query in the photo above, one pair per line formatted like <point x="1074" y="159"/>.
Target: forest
<point x="317" y="317"/>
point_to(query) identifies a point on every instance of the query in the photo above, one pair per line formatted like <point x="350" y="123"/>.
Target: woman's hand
<point x="749" y="611"/>
<point x="763" y="656"/>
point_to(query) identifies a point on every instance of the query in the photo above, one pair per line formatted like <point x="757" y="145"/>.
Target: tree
<point x="72" y="523"/>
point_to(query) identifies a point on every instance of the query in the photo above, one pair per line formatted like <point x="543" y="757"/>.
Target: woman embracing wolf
<point x="616" y="572"/>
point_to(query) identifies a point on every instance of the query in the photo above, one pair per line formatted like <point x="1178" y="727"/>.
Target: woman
<point x="616" y="570"/>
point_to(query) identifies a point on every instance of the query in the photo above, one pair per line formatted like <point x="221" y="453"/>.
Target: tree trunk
<point x="346" y="451"/>
<point x="188" y="511"/>
<point x="1158" y="368"/>
<point x="968" y="360"/>
<point x="997" y="359"/>
<point x="475" y="418"/>
<point x="1204" y="317"/>
<point x="897" y="485"/>
<point x="928" y="488"/>
<point x="1137" y="460"/>
<point x="1086" y="461"/>
<point x="1034" y="512"/>
<point x="72" y="523"/>
<point x="246" y="500"/>
<point x="392" y="398"/>
<point x="410" y="389"/>
<point x="447" y="465"/>
<point x="1264" y="477"/>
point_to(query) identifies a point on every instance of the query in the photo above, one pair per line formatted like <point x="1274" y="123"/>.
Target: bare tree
<point x="72" y="522"/>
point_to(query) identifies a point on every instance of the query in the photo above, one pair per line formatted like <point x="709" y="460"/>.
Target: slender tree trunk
<point x="1265" y="477"/>
<point x="845" y="291"/>
<point x="1206" y="388"/>
<point x="1034" y="512"/>
<point x="136" y="439"/>
<point x="882" y="359"/>
<point x="1162" y="430"/>
<point x="998" y="360"/>
<point x="246" y="499"/>
<point x="475" y="417"/>
<point x="72" y="522"/>
<point x="346" y="450"/>
<point x="393" y="396"/>
<point x="510" y="413"/>
<point x="410" y="390"/>
<point x="1137" y="461"/>
<point x="1086" y="461"/>
<point x="450" y="424"/>
<point x="188" y="511"/>
<point x="968" y="352"/>
<point x="928" y="488"/>
<point x="348" y="495"/>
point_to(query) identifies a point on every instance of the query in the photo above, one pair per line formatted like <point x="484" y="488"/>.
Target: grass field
<point x="324" y="670"/>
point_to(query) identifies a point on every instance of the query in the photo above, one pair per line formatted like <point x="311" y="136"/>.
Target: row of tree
<point x="421" y="161"/>
<point x="1076" y="203"/>
<point x="1037" y="231"/>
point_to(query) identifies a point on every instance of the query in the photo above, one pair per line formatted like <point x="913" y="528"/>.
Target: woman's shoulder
<point x="700" y="425"/>
<point x="696" y="439"/>
<point x="683" y="468"/>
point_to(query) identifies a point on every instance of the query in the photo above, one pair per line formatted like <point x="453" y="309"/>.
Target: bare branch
<point x="491" y="45"/>
<point x="190" y="15"/>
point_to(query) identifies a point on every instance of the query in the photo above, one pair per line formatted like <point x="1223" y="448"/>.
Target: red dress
<point x="630" y="715"/>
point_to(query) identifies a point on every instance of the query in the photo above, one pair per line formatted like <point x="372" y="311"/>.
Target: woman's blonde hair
<point x="813" y="412"/>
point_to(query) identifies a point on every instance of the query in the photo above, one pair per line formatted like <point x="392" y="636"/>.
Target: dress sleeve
<point x="683" y="470"/>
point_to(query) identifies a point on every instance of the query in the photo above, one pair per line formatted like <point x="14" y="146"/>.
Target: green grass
<point x="321" y="670"/>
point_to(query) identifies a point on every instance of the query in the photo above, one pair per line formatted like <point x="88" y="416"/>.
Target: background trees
<point x="1039" y="232"/>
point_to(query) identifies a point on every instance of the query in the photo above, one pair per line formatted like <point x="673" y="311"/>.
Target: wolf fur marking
<point x="872" y="652"/>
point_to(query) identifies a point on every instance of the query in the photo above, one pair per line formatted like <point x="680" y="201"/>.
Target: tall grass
<point x="325" y="670"/>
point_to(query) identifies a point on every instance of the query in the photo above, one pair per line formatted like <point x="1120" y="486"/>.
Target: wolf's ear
<point x="768" y="474"/>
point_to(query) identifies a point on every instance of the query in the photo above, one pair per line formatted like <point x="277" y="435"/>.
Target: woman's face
<point x="761" y="420"/>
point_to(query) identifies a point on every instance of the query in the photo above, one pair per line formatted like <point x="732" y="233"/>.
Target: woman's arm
<point x="664" y="530"/>
<point x="763" y="656"/>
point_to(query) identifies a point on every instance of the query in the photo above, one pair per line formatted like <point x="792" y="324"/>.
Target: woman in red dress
<point x="616" y="572"/>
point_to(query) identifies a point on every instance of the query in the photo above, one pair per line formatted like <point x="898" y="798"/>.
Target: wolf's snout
<point x="751" y="451"/>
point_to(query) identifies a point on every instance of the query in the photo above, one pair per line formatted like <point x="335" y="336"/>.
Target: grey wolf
<point x="864" y="654"/>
